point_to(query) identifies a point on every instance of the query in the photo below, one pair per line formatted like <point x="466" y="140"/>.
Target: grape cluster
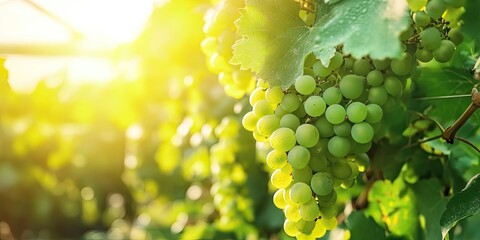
<point x="435" y="30"/>
<point x="220" y="31"/>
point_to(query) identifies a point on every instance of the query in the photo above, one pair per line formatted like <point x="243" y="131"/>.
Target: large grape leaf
<point x="275" y="40"/>
<point x="462" y="205"/>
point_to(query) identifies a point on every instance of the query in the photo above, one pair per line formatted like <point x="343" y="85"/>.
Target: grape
<point x="300" y="112"/>
<point x="287" y="168"/>
<point x="298" y="157"/>
<point x="393" y="86"/>
<point x="267" y="124"/>
<point x="455" y="3"/>
<point x="290" y="102"/>
<point x="300" y="193"/>
<point x="283" y="139"/>
<point x="378" y="95"/>
<point x="375" y="78"/>
<point x="305" y="84"/>
<point x="332" y="95"/>
<point x="424" y="55"/>
<point x="327" y="212"/>
<point x="274" y="95"/>
<point x="259" y="137"/>
<point x="290" y="228"/>
<point x="435" y="8"/>
<point x="430" y="38"/>
<point x="280" y="179"/>
<point x="302" y="175"/>
<point x="307" y="135"/>
<point x="322" y="183"/>
<point x="407" y="34"/>
<point x="381" y="64"/>
<point x="416" y="5"/>
<point x="421" y="19"/>
<point x="340" y="146"/>
<point x="356" y="112"/>
<point x="290" y="121"/>
<point x="341" y="170"/>
<point x="209" y="45"/>
<point x="348" y="63"/>
<point x="327" y="200"/>
<point x="292" y="212"/>
<point x="336" y="61"/>
<point x="318" y="163"/>
<point x="325" y="128"/>
<point x="249" y="121"/>
<point x="278" y="199"/>
<point x="314" y="106"/>
<point x="309" y="211"/>
<point x="351" y="86"/>
<point x="320" y="70"/>
<point x="309" y="60"/>
<point x="319" y="230"/>
<point x="305" y="227"/>
<point x="335" y="114"/>
<point x="402" y="66"/>
<point x="276" y="159"/>
<point x="455" y="35"/>
<point x="445" y="52"/>
<point x="342" y="129"/>
<point x="362" y="132"/>
<point x="362" y="67"/>
<point x="262" y="108"/>
<point x="329" y="223"/>
<point x="374" y="113"/>
<point x="359" y="148"/>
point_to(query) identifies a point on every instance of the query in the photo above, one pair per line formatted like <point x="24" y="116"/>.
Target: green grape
<point x="325" y="128"/>
<point x="362" y="67"/>
<point x="262" y="108"/>
<point x="416" y="5"/>
<point x="283" y="139"/>
<point x="274" y="95"/>
<point x="424" y="55"/>
<point x="302" y="175"/>
<point x="375" y="78"/>
<point x="328" y="212"/>
<point x="259" y="137"/>
<point x="455" y="3"/>
<point x="209" y="45"/>
<point x="292" y="212"/>
<point x="305" y="227"/>
<point x="278" y="199"/>
<point x="314" y="106"/>
<point x="218" y="62"/>
<point x="407" y="34"/>
<point x="310" y="210"/>
<point x="362" y="132"/>
<point x="300" y="193"/>
<point x="280" y="179"/>
<point x="276" y="159"/>
<point x="341" y="170"/>
<point x="421" y="19"/>
<point x="378" y="95"/>
<point x="348" y="63"/>
<point x="431" y="38"/>
<point x="320" y="70"/>
<point x="329" y="223"/>
<point x="290" y="121"/>
<point x="351" y="86"/>
<point x="290" y="228"/>
<point x="327" y="200"/>
<point x="267" y="124"/>
<point x="336" y="61"/>
<point x="381" y="64"/>
<point x="319" y="230"/>
<point x="287" y="168"/>
<point x="393" y="86"/>
<point x="435" y="8"/>
<point x="374" y="113"/>
<point x="354" y="168"/>
<point x="290" y="102"/>
<point x="332" y="95"/>
<point x="307" y="135"/>
<point x="322" y="183"/>
<point x="298" y="157"/>
<point x="445" y="52"/>
<point x="359" y="148"/>
<point x="335" y="114"/>
<point x="455" y="35"/>
<point x="339" y="146"/>
<point x="305" y="84"/>
<point x="279" y="111"/>
<point x="318" y="163"/>
<point x="402" y="66"/>
<point x="249" y="121"/>
<point x="342" y="129"/>
<point x="362" y="161"/>
<point x="356" y="112"/>
<point x="300" y="112"/>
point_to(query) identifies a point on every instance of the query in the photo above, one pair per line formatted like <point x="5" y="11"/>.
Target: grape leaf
<point x="462" y="205"/>
<point x="471" y="18"/>
<point x="275" y="40"/>
<point x="362" y="227"/>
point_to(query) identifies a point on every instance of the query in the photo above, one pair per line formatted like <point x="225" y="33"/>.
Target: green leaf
<point x="462" y="205"/>
<point x="362" y="227"/>
<point x="471" y="18"/>
<point x="275" y="40"/>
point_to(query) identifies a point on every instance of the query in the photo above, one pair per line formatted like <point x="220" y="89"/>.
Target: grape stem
<point x="449" y="133"/>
